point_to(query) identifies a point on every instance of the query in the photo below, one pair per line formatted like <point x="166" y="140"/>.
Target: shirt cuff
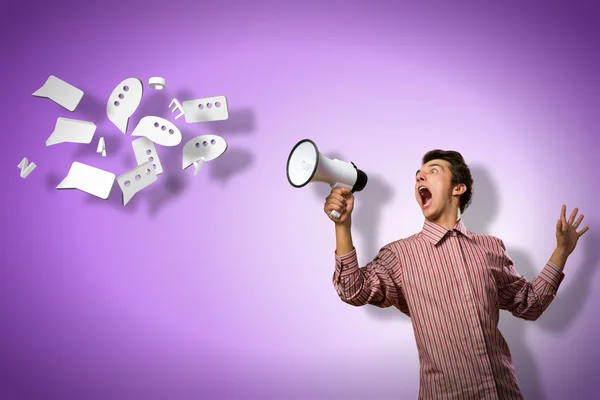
<point x="346" y="264"/>
<point x="552" y="274"/>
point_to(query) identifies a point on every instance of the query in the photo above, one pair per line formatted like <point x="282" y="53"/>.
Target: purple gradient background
<point x="219" y="285"/>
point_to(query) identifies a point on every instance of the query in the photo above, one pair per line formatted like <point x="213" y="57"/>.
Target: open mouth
<point x="425" y="196"/>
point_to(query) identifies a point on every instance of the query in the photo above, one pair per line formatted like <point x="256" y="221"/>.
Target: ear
<point x="459" y="189"/>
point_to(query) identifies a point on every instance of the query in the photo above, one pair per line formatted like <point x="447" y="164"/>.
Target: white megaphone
<point x="305" y="164"/>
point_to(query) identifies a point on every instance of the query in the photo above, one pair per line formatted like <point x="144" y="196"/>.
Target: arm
<point x="378" y="283"/>
<point x="524" y="299"/>
<point x="528" y="300"/>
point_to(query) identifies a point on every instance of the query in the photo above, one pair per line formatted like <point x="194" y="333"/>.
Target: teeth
<point x="421" y="188"/>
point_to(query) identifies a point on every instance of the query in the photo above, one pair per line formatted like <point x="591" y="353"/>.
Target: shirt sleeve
<point x="524" y="299"/>
<point x="377" y="283"/>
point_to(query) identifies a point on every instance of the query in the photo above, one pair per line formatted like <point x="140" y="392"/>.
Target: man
<point x="451" y="282"/>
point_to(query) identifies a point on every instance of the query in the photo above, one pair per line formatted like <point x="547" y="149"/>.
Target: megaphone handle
<point x="342" y="185"/>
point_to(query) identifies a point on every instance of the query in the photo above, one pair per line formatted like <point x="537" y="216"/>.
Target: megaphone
<point x="305" y="164"/>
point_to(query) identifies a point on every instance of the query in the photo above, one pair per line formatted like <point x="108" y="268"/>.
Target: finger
<point x="572" y="216"/>
<point x="558" y="227"/>
<point x="584" y="230"/>
<point x="337" y="190"/>
<point x="336" y="196"/>
<point x="332" y="207"/>
<point x="563" y="211"/>
<point x="576" y="225"/>
<point x="350" y="202"/>
<point x="341" y="190"/>
<point x="337" y="203"/>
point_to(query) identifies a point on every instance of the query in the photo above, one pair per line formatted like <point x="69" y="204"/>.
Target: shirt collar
<point x="435" y="233"/>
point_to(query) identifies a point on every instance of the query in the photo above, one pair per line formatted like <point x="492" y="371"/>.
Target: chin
<point x="428" y="213"/>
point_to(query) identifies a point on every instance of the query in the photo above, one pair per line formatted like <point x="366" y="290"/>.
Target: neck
<point x="447" y="220"/>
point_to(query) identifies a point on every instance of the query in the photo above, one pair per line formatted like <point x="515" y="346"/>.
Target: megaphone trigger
<point x="335" y="214"/>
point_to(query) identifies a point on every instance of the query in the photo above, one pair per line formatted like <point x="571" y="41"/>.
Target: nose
<point x="420" y="176"/>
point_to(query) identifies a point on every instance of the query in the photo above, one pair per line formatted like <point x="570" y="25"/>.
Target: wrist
<point x="559" y="257"/>
<point x="343" y="226"/>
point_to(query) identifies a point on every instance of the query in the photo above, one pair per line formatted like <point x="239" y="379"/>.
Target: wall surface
<point x="220" y="285"/>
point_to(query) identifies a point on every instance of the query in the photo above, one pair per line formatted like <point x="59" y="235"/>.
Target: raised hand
<point x="342" y="201"/>
<point x="566" y="231"/>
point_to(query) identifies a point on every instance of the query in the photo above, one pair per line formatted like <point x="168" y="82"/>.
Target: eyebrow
<point x="429" y="166"/>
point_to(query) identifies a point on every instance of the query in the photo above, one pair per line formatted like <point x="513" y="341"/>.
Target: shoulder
<point x="490" y="242"/>
<point x="408" y="243"/>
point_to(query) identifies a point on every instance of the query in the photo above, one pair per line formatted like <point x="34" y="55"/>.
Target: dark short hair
<point x="458" y="168"/>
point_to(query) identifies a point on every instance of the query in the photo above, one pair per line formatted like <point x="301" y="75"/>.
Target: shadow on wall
<point x="235" y="161"/>
<point x="92" y="108"/>
<point x="240" y="121"/>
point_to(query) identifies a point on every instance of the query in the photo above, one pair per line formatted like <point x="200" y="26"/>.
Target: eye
<point x="433" y="171"/>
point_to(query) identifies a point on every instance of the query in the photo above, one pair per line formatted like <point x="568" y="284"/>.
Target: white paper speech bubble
<point x="72" y="131"/>
<point x="159" y="130"/>
<point x="144" y="151"/>
<point x="201" y="149"/>
<point x="206" y="109"/>
<point x="26" y="167"/>
<point x="123" y="102"/>
<point x="135" y="180"/>
<point x="88" y="179"/>
<point x="60" y="92"/>
<point x="101" y="149"/>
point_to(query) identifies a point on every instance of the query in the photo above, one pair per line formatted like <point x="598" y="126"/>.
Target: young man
<point x="451" y="282"/>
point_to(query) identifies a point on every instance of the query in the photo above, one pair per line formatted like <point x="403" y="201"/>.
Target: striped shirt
<point x="452" y="284"/>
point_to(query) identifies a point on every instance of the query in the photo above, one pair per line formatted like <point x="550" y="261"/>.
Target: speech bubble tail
<point x="121" y="124"/>
<point x="198" y="164"/>
<point x="50" y="141"/>
<point x="127" y="197"/>
<point x="64" y="184"/>
<point x="39" y="92"/>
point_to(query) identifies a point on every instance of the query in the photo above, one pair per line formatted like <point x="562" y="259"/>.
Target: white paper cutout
<point x="101" y="149"/>
<point x="157" y="83"/>
<point x="60" y="92"/>
<point x="123" y="102"/>
<point x="201" y="149"/>
<point x="26" y="167"/>
<point x="135" y="180"/>
<point x="206" y="109"/>
<point x="144" y="151"/>
<point x="159" y="130"/>
<point x="72" y="131"/>
<point x="88" y="179"/>
<point x="178" y="106"/>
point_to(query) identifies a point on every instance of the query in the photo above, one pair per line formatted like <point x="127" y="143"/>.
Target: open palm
<point x="566" y="231"/>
